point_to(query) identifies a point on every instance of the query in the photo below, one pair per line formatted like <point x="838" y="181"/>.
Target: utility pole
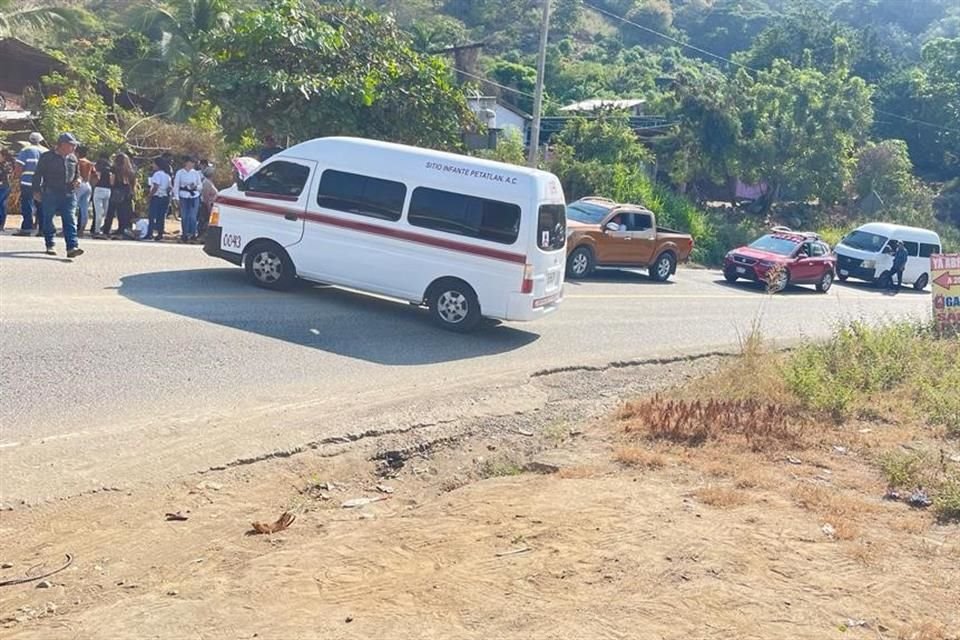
<point x="538" y="93"/>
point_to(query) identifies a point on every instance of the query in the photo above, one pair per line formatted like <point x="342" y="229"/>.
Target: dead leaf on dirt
<point x="175" y="517"/>
<point x="285" y="520"/>
<point x="360" y="502"/>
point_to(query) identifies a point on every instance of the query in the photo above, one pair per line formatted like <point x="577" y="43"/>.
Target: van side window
<point x="361" y="195"/>
<point x="283" y="179"/>
<point x="927" y="250"/>
<point x="464" y="215"/>
<point x="913" y="248"/>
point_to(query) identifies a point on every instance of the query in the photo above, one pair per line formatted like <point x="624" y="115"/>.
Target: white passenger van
<point x="466" y="237"/>
<point x="867" y="253"/>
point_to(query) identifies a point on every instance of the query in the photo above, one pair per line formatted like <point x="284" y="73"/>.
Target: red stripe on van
<point x="270" y="196"/>
<point x="399" y="234"/>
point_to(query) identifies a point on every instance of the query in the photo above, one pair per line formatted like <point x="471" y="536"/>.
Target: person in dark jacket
<point x="900" y="256"/>
<point x="57" y="179"/>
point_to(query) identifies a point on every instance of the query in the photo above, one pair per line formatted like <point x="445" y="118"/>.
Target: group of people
<point x="64" y="182"/>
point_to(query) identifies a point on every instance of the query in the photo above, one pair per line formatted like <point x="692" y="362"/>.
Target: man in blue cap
<point x="56" y="180"/>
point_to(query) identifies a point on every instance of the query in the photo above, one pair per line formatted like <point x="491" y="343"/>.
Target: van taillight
<point x="527" y="286"/>
<point x="214" y="216"/>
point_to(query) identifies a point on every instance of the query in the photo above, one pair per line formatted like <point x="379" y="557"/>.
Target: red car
<point x="782" y="258"/>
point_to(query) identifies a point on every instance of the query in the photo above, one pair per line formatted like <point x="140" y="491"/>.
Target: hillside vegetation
<point x="827" y="103"/>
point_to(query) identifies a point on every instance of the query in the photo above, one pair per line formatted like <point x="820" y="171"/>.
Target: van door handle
<point x="292" y="216"/>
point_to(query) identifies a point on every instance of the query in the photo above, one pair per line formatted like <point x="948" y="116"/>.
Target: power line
<point x="609" y="14"/>
<point x="499" y="86"/>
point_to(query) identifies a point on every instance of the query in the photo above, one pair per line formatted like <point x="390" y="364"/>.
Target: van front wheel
<point x="921" y="282"/>
<point x="267" y="265"/>
<point x="454" y="306"/>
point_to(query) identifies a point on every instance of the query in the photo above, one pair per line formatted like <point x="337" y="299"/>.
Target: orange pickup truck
<point x="603" y="233"/>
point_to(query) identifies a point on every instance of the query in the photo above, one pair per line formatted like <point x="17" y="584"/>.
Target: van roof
<point x="340" y="145"/>
<point x="887" y="229"/>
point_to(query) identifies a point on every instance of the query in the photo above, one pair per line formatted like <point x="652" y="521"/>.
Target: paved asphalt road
<point x="141" y="362"/>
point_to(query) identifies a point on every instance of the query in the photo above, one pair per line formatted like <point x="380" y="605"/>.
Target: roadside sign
<point x="945" y="277"/>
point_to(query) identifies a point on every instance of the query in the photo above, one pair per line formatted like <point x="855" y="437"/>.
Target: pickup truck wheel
<point x="580" y="264"/>
<point x="269" y="266"/>
<point x="826" y="281"/>
<point x="663" y="267"/>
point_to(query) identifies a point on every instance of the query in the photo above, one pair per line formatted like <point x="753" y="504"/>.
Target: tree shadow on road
<point x="320" y="317"/>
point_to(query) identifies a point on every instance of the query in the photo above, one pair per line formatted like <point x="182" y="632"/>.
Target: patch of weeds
<point x="924" y="631"/>
<point x="946" y="500"/>
<point x="640" y="457"/>
<point x="763" y="426"/>
<point x="903" y="470"/>
<point x="499" y="468"/>
<point x="556" y="433"/>
<point x="721" y="497"/>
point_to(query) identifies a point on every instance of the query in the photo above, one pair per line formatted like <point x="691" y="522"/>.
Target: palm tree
<point x="18" y="21"/>
<point x="176" y="33"/>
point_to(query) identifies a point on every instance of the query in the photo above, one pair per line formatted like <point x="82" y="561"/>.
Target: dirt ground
<point x="541" y="528"/>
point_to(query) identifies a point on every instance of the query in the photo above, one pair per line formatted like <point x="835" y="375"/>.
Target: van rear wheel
<point x="454" y="306"/>
<point x="268" y="265"/>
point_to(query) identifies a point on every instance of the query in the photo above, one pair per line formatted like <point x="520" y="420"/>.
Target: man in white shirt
<point x="159" y="199"/>
<point x="187" y="185"/>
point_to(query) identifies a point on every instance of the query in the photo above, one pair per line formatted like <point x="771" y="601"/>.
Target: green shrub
<point x="946" y="500"/>
<point x="902" y="470"/>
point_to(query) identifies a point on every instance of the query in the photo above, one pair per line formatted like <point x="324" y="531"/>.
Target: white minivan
<point x="468" y="238"/>
<point x="866" y="253"/>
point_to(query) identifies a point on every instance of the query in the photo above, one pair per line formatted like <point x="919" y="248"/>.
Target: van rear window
<point x="552" y="227"/>
<point x="464" y="215"/>
<point x="361" y="195"/>
<point x="927" y="250"/>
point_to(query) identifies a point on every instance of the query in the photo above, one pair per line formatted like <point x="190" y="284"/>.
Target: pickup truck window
<point x="639" y="222"/>
<point x="587" y="213"/>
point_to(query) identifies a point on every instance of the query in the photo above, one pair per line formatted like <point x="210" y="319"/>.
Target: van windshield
<point x="552" y="227"/>
<point x="864" y="241"/>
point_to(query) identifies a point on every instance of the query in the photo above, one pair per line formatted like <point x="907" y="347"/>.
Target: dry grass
<point x="924" y="631"/>
<point x="578" y="473"/>
<point x="639" y="457"/>
<point x="721" y="497"/>
<point x="761" y="426"/>
<point x="830" y="501"/>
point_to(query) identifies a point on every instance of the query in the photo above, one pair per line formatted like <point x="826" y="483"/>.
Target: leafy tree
<point x="302" y="72"/>
<point x="72" y="104"/>
<point x="515" y="76"/>
<point x="607" y="139"/>
<point x="800" y="130"/>
<point x="885" y="168"/>
<point x="509" y="149"/>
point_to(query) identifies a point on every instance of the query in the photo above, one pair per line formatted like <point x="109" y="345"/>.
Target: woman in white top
<point x="186" y="185"/>
<point x="159" y="199"/>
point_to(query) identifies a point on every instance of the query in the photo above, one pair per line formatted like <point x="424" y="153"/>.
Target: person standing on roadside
<point x="57" y="179"/>
<point x="900" y="256"/>
<point x="159" y="200"/>
<point x="269" y="149"/>
<point x="85" y="191"/>
<point x="101" y="194"/>
<point x="186" y="185"/>
<point x="26" y="165"/>
<point x="122" y="180"/>
<point x="6" y="175"/>
<point x="208" y="195"/>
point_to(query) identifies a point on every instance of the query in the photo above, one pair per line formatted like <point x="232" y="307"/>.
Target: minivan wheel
<point x="826" y="281"/>
<point x="885" y="281"/>
<point x="663" y="267"/>
<point x="268" y="265"/>
<point x="580" y="263"/>
<point x="454" y="306"/>
<point x="921" y="282"/>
